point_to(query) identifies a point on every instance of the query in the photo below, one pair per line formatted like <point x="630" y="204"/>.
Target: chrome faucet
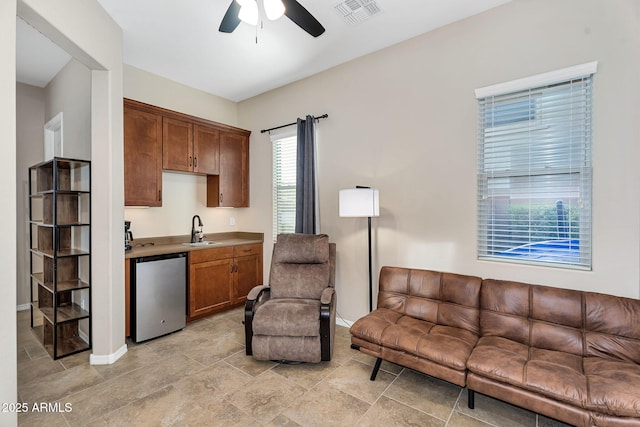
<point x="195" y="231"/>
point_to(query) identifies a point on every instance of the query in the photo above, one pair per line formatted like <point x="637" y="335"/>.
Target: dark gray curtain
<point x="306" y="177"/>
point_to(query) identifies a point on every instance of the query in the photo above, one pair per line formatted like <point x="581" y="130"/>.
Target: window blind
<point x="284" y="185"/>
<point x="534" y="174"/>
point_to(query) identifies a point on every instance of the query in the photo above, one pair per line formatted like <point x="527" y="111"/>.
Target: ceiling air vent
<point x="357" y="11"/>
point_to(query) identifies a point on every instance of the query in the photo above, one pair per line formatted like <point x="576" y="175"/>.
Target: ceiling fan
<point x="247" y="11"/>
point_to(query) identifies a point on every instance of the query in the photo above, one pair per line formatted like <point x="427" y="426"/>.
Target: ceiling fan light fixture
<point x="248" y="12"/>
<point x="274" y="9"/>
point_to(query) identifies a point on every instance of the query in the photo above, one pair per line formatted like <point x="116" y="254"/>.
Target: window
<point x="534" y="169"/>
<point x="284" y="184"/>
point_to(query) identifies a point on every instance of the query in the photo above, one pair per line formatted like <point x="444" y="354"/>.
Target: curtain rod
<point x="324" y="116"/>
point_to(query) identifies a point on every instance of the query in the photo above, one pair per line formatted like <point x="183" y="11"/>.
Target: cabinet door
<point x="248" y="276"/>
<point x="142" y="158"/>
<point x="177" y="145"/>
<point x="209" y="286"/>
<point x="206" y="150"/>
<point x="231" y="187"/>
<point x="248" y="271"/>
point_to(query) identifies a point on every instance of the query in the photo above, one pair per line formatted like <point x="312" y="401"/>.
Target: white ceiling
<point x="179" y="40"/>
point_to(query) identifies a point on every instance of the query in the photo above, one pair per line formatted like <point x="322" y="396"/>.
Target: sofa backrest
<point x="441" y="298"/>
<point x="302" y="266"/>
<point x="576" y="322"/>
<point x="612" y="327"/>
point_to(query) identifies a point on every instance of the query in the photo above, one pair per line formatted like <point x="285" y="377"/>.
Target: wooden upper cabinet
<point x="188" y="147"/>
<point x="231" y="187"/>
<point x="206" y="149"/>
<point x="177" y="145"/>
<point x="158" y="139"/>
<point x="142" y="158"/>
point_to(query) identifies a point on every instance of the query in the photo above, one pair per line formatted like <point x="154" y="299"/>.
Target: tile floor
<point x="201" y="377"/>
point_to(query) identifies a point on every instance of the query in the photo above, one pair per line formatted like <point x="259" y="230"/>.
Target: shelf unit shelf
<point x="60" y="247"/>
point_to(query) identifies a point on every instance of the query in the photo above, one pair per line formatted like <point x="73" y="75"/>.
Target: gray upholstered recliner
<point x="293" y="318"/>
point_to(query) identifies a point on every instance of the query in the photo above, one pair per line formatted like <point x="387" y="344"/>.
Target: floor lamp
<point x="361" y="202"/>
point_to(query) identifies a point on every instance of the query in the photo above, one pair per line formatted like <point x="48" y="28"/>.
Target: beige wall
<point x="404" y="120"/>
<point x="183" y="195"/>
<point x="69" y="92"/>
<point x="30" y="119"/>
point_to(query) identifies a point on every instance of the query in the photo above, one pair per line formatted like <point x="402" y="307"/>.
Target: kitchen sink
<point x="205" y="243"/>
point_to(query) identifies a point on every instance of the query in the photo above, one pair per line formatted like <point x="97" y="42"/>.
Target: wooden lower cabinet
<point x="209" y="286"/>
<point x="221" y="278"/>
<point x="248" y="260"/>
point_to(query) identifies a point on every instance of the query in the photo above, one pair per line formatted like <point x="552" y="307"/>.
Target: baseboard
<point x="107" y="359"/>
<point x="23" y="307"/>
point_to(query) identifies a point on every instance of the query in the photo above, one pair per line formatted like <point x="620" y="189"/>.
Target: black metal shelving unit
<point x="60" y="254"/>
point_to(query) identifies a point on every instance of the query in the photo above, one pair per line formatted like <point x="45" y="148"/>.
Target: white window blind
<point x="534" y="174"/>
<point x="284" y="185"/>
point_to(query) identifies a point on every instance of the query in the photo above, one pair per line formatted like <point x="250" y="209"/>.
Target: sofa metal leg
<point x="376" y="368"/>
<point x="471" y="400"/>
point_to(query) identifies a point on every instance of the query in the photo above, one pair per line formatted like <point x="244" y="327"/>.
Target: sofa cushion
<point x="614" y="386"/>
<point x="446" y="345"/>
<point x="607" y="386"/>
<point x="440" y="298"/>
<point x="554" y="374"/>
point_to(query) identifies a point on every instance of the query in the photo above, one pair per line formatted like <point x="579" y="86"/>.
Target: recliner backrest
<point x="301" y="266"/>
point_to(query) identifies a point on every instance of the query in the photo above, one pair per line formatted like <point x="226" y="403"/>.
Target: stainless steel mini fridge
<point x="158" y="295"/>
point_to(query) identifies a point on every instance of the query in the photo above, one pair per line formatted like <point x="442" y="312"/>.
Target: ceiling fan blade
<point x="230" y="21"/>
<point x="301" y="16"/>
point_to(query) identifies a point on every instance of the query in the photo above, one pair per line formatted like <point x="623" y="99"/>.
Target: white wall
<point x="8" y="371"/>
<point x="183" y="195"/>
<point x="30" y="119"/>
<point x="404" y="120"/>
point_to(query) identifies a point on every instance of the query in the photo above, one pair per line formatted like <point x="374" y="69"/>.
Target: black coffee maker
<point x="128" y="236"/>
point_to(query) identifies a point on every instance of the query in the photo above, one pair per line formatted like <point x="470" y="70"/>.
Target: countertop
<point x="162" y="245"/>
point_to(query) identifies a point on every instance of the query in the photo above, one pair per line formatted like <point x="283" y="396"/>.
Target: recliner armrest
<point x="257" y="291"/>
<point x="327" y="295"/>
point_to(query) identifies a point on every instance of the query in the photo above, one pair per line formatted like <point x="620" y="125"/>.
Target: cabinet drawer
<point x="203" y="255"/>
<point x="244" y="250"/>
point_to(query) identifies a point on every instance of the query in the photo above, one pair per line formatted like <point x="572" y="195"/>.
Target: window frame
<point x="510" y="119"/>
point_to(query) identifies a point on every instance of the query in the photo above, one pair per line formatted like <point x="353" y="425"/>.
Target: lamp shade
<point x="359" y="202"/>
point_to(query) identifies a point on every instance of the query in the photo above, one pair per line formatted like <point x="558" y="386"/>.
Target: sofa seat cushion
<point x="591" y="383"/>
<point x="288" y="317"/>
<point x="446" y="345"/>
<point x="614" y="386"/>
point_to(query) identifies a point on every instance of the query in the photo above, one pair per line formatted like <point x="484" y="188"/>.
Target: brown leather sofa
<point x="570" y="355"/>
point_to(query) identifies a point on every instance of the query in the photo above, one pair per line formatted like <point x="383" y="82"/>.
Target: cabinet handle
<point x="220" y="198"/>
<point x="190" y="161"/>
<point x="159" y="195"/>
<point x="195" y="162"/>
